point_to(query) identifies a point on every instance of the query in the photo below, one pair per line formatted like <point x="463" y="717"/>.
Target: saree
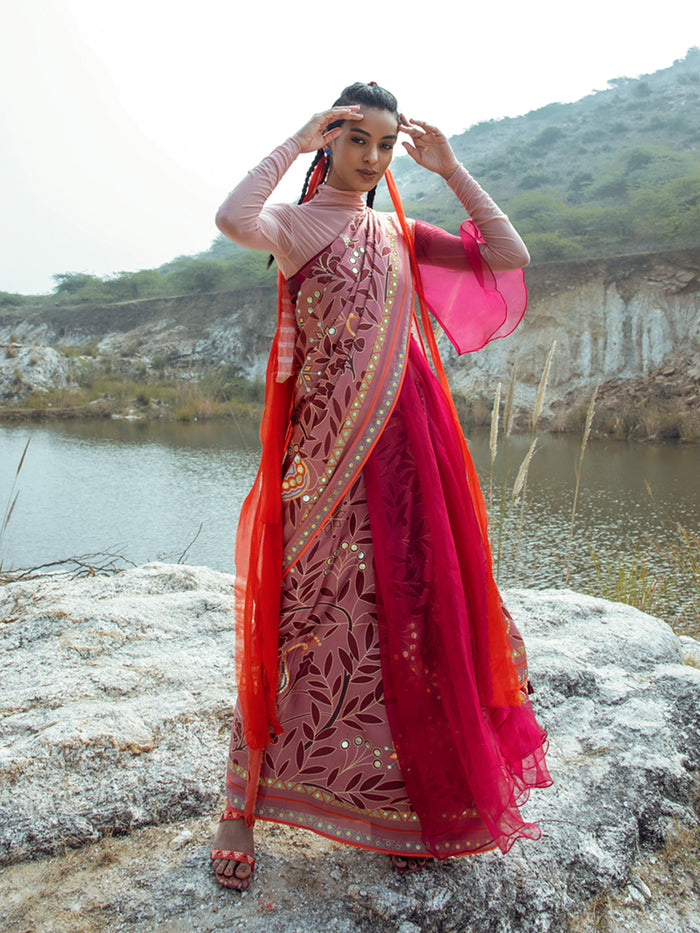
<point x="384" y="648"/>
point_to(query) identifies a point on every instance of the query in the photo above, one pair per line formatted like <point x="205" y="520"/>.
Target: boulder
<point x="24" y="370"/>
<point x="118" y="692"/>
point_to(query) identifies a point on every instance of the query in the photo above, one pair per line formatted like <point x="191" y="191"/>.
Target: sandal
<point x="412" y="863"/>
<point x="231" y="855"/>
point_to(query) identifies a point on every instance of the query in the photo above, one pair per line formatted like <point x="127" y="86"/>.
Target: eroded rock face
<point x="118" y="694"/>
<point x="618" y="318"/>
<point x="25" y="369"/>
<point x="615" y="319"/>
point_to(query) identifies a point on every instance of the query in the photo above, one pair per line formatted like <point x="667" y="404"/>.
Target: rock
<point x="118" y="693"/>
<point x="182" y="839"/>
<point x="690" y="650"/>
<point x="118" y="696"/>
<point x="24" y="370"/>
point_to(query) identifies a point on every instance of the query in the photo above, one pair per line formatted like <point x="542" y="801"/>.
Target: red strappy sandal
<point x="230" y="855"/>
<point x="413" y="863"/>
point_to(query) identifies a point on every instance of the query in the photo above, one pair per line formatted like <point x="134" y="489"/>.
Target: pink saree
<point x="386" y="732"/>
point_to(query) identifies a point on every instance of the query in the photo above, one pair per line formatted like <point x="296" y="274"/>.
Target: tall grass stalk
<point x="12" y="498"/>
<point x="493" y="440"/>
<point x="686" y="556"/>
<point x="520" y="485"/>
<point x="579" y="464"/>
<point x="508" y="502"/>
<point x="507" y="424"/>
<point x="628" y="580"/>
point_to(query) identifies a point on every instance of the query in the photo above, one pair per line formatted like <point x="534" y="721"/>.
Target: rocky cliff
<point x="615" y="320"/>
<point x="625" y="319"/>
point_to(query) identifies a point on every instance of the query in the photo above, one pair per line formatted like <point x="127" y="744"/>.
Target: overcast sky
<point x="123" y="125"/>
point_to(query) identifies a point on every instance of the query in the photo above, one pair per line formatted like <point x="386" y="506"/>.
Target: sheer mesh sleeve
<point x="244" y="218"/>
<point x="472" y="302"/>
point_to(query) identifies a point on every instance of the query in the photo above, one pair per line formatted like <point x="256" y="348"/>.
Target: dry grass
<point x="509" y="501"/>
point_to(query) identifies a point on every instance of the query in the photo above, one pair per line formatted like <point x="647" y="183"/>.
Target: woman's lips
<point x="367" y="174"/>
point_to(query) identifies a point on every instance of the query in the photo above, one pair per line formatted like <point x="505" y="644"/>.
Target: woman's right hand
<point x="312" y="136"/>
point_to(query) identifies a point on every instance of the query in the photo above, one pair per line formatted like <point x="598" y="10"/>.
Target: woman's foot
<point x="233" y="851"/>
<point x="407" y="864"/>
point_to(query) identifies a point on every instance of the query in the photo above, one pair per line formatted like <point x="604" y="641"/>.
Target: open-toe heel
<point x="232" y="855"/>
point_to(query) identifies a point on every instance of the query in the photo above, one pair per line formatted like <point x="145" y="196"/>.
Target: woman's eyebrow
<point x="365" y="133"/>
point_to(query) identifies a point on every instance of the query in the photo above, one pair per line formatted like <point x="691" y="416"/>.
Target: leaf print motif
<point x="333" y="776"/>
<point x="351" y="704"/>
<point x="353" y="647"/>
<point x="369" y="718"/>
<point x="371" y="782"/>
<point x="336" y="684"/>
<point x="353" y="782"/>
<point x="319" y="752"/>
<point x="367" y="700"/>
<point x="308" y="731"/>
<point x="346" y="660"/>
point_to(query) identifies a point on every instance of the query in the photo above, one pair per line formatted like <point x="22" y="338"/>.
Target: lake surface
<point x="143" y="490"/>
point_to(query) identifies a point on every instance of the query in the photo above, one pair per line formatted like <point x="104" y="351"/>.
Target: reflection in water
<point x="143" y="489"/>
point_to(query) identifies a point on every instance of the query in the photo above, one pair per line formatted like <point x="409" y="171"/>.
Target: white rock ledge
<point x="117" y="694"/>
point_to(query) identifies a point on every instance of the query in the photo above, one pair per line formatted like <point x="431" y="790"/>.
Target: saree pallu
<point x="390" y="738"/>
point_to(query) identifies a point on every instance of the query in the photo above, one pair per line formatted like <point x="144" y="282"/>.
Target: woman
<point x="382" y="699"/>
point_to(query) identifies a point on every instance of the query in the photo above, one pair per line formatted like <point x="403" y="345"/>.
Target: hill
<point x="615" y="172"/>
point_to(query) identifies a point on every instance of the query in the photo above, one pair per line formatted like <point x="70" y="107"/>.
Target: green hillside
<point x="616" y="172"/>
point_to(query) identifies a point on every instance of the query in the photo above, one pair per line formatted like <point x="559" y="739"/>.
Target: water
<point x="142" y="490"/>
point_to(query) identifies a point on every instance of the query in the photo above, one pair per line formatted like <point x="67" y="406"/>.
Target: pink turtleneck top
<point x="294" y="233"/>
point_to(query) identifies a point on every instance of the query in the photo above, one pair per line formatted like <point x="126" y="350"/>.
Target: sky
<point x="124" y="125"/>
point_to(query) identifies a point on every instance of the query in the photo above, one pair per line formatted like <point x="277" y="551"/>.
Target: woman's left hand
<point x="430" y="148"/>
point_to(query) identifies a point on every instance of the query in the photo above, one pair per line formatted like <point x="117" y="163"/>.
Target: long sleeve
<point x="244" y="218"/>
<point x="502" y="249"/>
<point x="293" y="233"/>
<point x="473" y="283"/>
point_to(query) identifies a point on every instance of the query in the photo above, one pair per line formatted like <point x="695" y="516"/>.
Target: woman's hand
<point x="430" y="148"/>
<point x="312" y="136"/>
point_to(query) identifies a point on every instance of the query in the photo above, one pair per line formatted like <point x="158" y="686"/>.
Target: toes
<point x="242" y="871"/>
<point x="232" y="874"/>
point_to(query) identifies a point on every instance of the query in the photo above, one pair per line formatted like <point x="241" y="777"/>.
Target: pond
<point x="164" y="491"/>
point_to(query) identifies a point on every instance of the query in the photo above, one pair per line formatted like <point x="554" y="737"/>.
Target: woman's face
<point x="363" y="151"/>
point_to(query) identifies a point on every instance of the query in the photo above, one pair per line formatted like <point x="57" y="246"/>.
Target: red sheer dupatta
<point x="468" y="743"/>
<point x="468" y="761"/>
<point x="259" y="542"/>
<point x="504" y="681"/>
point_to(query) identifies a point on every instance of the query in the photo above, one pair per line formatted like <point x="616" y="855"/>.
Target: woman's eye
<point x="357" y="139"/>
<point x="388" y="146"/>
